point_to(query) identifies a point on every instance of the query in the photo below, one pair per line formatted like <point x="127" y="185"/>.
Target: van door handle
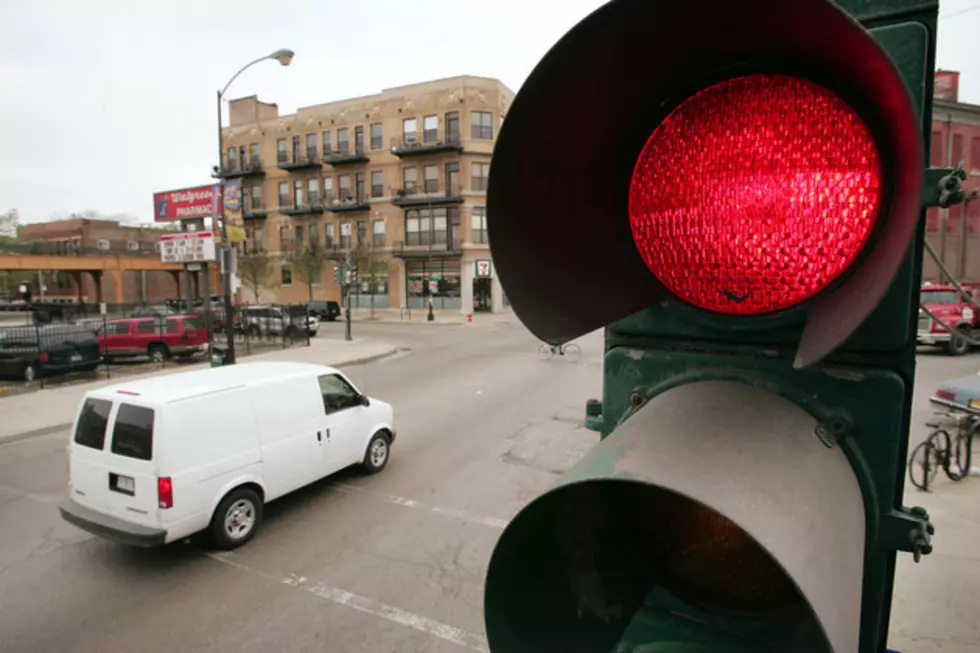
<point x="328" y="434"/>
<point x="319" y="436"/>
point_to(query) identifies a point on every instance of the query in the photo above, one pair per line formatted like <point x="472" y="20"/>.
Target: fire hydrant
<point x="469" y="317"/>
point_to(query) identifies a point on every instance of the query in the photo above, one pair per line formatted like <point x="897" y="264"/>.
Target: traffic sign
<point x="187" y="247"/>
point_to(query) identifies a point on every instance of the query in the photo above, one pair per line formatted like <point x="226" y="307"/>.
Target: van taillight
<point x="165" y="493"/>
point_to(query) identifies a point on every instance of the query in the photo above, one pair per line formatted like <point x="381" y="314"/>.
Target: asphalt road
<point x="393" y="562"/>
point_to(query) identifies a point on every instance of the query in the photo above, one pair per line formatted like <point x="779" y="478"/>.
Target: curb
<point x="368" y="359"/>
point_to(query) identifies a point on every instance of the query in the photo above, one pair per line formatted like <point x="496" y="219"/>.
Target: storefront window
<point x="438" y="279"/>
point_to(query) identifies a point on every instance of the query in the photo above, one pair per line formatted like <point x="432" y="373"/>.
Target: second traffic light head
<point x="734" y="165"/>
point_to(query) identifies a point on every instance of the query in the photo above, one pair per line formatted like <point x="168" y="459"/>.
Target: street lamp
<point x="284" y="56"/>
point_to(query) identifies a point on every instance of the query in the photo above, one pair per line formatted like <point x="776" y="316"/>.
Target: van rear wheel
<point x="236" y="519"/>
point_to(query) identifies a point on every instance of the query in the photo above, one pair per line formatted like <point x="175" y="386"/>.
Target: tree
<point x="308" y="268"/>
<point x="9" y="224"/>
<point x="371" y="268"/>
<point x="254" y="269"/>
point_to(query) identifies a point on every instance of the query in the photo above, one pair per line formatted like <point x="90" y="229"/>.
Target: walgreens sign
<point x="187" y="203"/>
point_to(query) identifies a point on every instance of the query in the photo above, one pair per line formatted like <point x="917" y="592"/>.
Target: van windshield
<point x="132" y="436"/>
<point x="92" y="423"/>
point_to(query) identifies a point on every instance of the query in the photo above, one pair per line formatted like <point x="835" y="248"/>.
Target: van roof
<point x="186" y="385"/>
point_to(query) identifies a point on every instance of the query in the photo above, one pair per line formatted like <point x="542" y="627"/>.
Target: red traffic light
<point x="751" y="167"/>
<point x="755" y="194"/>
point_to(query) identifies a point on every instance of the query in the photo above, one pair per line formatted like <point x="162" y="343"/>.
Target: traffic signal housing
<point x="742" y="221"/>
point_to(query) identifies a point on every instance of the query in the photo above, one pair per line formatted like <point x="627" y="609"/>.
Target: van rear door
<point x="130" y="470"/>
<point x="87" y="463"/>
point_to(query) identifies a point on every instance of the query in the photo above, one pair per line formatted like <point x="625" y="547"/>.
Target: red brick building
<point x="954" y="233"/>
<point x="76" y="236"/>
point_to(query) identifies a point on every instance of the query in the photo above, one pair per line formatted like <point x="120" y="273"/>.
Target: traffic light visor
<point x="755" y="194"/>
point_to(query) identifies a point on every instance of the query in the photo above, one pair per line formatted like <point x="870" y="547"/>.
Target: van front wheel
<point x="237" y="518"/>
<point x="378" y="451"/>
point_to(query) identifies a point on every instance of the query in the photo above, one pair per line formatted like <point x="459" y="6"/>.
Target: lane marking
<point x="363" y="604"/>
<point x="492" y="522"/>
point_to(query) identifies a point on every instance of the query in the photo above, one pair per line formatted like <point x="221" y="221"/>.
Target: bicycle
<point x="571" y="351"/>
<point x="951" y="453"/>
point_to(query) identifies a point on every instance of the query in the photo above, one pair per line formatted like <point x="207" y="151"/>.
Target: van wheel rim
<point x="239" y="519"/>
<point x="157" y="356"/>
<point x="379" y="452"/>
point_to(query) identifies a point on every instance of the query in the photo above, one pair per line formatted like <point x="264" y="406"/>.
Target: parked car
<point x="28" y="353"/>
<point x="267" y="320"/>
<point x="324" y="310"/>
<point x="156" y="460"/>
<point x="158" y="338"/>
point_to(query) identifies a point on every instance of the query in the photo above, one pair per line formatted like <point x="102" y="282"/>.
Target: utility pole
<point x="225" y="253"/>
<point x="348" y="278"/>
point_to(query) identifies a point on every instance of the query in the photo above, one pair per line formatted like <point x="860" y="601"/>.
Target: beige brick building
<point x="399" y="177"/>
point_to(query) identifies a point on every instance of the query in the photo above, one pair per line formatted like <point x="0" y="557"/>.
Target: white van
<point x="156" y="460"/>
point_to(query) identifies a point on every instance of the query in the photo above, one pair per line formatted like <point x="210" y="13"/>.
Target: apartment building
<point x="399" y="178"/>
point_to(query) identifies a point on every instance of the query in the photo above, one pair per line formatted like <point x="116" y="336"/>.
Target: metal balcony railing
<point x="427" y="144"/>
<point x="416" y="196"/>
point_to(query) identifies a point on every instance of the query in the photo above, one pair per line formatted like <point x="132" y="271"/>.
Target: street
<point x="393" y="562"/>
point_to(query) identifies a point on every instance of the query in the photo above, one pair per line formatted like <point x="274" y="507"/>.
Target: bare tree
<point x="371" y="268"/>
<point x="254" y="269"/>
<point x="308" y="268"/>
<point x="9" y="225"/>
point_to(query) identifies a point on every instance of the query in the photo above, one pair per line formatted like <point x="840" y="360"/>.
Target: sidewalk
<point x="420" y="316"/>
<point x="50" y="410"/>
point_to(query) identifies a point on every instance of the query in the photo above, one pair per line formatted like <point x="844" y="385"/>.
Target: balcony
<point x="427" y="250"/>
<point x="349" y="205"/>
<point x="441" y="144"/>
<point x="251" y="169"/>
<point x="298" y="163"/>
<point x="415" y="197"/>
<point x="255" y="213"/>
<point x="302" y="209"/>
<point x="344" y="157"/>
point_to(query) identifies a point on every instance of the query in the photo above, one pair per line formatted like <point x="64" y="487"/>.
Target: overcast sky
<point x="104" y="102"/>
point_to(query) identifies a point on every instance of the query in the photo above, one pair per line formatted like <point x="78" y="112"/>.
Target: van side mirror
<point x="365" y="401"/>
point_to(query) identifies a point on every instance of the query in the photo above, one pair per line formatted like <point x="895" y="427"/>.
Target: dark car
<point x="27" y="353"/>
<point x="324" y="310"/>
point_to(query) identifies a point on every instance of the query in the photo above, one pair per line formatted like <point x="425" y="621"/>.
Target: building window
<point x="452" y="179"/>
<point x="376" y="136"/>
<point x="102" y="244"/>
<point x="343" y="182"/>
<point x="377" y="183"/>
<point x="328" y="234"/>
<point x="362" y="233"/>
<point x="359" y="139"/>
<point x="430" y="226"/>
<point x="132" y="246"/>
<point x="378" y="233"/>
<point x="284" y="194"/>
<point x="327" y="190"/>
<point x="327" y="150"/>
<point x="313" y="191"/>
<point x="314" y="236"/>
<point x="284" y="240"/>
<point x="481" y="125"/>
<point x="481" y="175"/>
<point x="430" y="179"/>
<point x="345" y="235"/>
<point x="410" y="180"/>
<point x="359" y="186"/>
<point x="311" y="147"/>
<point x="437" y="281"/>
<point x="452" y="126"/>
<point x="286" y="275"/>
<point x="478" y="225"/>
<point x="297" y="151"/>
<point x="232" y="158"/>
<point x="430" y="129"/>
<point x="410" y="130"/>
<point x="281" y="155"/>
<point x="343" y="141"/>
<point x="299" y="237"/>
<point x="254" y="158"/>
<point x="255" y="197"/>
<point x="298" y="194"/>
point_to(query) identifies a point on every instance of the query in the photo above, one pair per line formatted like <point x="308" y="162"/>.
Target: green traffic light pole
<point x="284" y="57"/>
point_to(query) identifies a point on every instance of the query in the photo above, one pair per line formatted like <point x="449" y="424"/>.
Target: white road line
<point x="492" y="522"/>
<point x="368" y="606"/>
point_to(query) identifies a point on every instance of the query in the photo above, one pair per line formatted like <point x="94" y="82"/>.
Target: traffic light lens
<point x="755" y="194"/>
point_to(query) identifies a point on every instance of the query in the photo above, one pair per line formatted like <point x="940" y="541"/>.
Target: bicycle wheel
<point x="545" y="351"/>
<point x="944" y="444"/>
<point x="573" y="352"/>
<point x="923" y="465"/>
<point x="963" y="451"/>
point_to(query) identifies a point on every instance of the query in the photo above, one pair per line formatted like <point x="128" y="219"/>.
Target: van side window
<point x="337" y="393"/>
<point x="92" y="423"/>
<point x="132" y="436"/>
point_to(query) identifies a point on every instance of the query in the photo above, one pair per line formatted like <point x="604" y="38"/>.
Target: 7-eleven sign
<point x="483" y="269"/>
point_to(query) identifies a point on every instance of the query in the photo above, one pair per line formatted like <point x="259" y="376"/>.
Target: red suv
<point x="174" y="335"/>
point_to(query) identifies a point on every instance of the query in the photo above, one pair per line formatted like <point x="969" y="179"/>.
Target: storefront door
<point x="482" y="289"/>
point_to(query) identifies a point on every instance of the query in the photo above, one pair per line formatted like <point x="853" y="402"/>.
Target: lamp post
<point x="284" y="57"/>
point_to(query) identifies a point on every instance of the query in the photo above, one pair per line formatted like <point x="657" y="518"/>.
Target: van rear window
<point x="92" y="423"/>
<point x="132" y="436"/>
